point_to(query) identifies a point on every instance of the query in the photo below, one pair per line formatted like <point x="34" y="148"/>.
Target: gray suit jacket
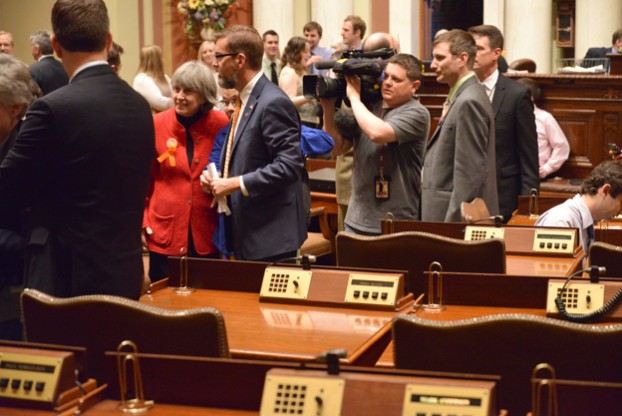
<point x="459" y="164"/>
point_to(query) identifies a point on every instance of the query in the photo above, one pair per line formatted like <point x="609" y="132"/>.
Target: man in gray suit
<point x="459" y="163"/>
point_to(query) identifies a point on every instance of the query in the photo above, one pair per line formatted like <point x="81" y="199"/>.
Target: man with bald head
<point x="381" y="40"/>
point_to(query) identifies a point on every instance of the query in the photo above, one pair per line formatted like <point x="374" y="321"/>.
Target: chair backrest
<point x="415" y="251"/>
<point x="608" y="256"/>
<point x="523" y="64"/>
<point x="101" y="322"/>
<point x="510" y="345"/>
<point x="475" y="211"/>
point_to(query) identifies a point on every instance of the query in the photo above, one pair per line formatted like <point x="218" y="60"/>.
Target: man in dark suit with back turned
<point x="515" y="125"/>
<point x="47" y="72"/>
<point x="261" y="162"/>
<point x="81" y="162"/>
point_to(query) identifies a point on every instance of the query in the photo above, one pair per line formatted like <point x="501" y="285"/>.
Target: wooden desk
<point x="562" y="188"/>
<point x="287" y="332"/>
<point x="542" y="266"/>
<point x="605" y="231"/>
<point x="109" y="407"/>
<point x="516" y="264"/>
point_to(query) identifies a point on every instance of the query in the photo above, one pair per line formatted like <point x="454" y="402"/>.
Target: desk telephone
<point x="528" y="240"/>
<point x="35" y="377"/>
<point x="340" y="288"/>
<point x="316" y="393"/>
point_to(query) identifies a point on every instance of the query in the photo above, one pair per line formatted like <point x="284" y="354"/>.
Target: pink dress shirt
<point x="553" y="147"/>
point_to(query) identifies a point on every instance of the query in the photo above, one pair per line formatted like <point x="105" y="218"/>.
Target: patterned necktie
<point x="273" y="75"/>
<point x="234" y="123"/>
<point x="488" y="91"/>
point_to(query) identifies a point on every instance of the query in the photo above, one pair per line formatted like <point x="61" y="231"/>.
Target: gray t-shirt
<point x="403" y="161"/>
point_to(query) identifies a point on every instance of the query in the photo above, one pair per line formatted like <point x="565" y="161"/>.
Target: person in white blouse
<point x="151" y="82"/>
<point x="294" y="60"/>
<point x="553" y="147"/>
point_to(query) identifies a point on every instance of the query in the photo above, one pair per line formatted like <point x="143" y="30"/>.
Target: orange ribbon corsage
<point x="171" y="146"/>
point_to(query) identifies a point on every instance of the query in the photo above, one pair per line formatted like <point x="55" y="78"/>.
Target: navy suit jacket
<point x="49" y="74"/>
<point x="595" y="56"/>
<point x="266" y="152"/>
<point x="82" y="162"/>
<point x="516" y="143"/>
<point x="11" y="235"/>
<point x="596" y="53"/>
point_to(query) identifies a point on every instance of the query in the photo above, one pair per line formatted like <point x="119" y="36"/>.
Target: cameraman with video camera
<point x="388" y="154"/>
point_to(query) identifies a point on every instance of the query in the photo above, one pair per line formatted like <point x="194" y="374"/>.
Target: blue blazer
<point x="266" y="152"/>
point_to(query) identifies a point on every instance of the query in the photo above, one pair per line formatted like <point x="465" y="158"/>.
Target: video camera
<point x="367" y="65"/>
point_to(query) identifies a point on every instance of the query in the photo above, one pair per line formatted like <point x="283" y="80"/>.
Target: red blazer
<point x="175" y="202"/>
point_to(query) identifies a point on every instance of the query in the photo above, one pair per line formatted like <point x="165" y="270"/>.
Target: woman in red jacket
<point x="178" y="219"/>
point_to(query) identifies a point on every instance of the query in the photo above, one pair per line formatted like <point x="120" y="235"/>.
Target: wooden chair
<point x="415" y="251"/>
<point x="511" y="345"/>
<point x="101" y="322"/>
<point x="322" y="243"/>
<point x="523" y="64"/>
<point x="608" y="256"/>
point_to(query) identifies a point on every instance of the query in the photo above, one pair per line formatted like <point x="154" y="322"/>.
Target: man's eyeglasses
<point x="219" y="56"/>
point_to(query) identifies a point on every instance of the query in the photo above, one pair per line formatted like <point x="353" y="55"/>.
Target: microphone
<point x="305" y="261"/>
<point x="338" y="352"/>
<point x="496" y="219"/>
<point x="596" y="272"/>
<point x="327" y="64"/>
<point x="331" y="357"/>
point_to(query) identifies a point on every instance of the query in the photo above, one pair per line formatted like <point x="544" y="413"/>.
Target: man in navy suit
<point x="47" y="72"/>
<point x="593" y="54"/>
<point x="516" y="139"/>
<point x="261" y="162"/>
<point x="81" y="162"/>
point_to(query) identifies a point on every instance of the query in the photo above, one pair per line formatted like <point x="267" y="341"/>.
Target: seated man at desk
<point x="600" y="198"/>
<point x="594" y="56"/>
